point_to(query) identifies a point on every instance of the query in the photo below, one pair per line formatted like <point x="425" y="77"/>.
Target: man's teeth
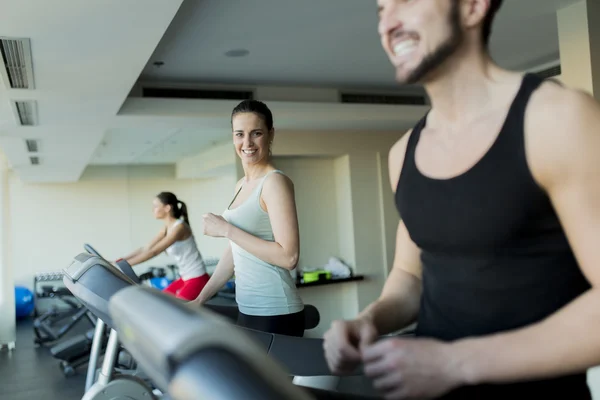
<point x="249" y="151"/>
<point x="404" y="47"/>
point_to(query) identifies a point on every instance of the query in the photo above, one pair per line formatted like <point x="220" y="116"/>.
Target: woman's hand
<point x="215" y="225"/>
<point x="196" y="303"/>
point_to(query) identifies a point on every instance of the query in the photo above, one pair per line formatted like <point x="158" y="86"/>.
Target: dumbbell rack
<point x="43" y="277"/>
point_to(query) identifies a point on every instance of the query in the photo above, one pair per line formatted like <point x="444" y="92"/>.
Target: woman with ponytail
<point x="177" y="240"/>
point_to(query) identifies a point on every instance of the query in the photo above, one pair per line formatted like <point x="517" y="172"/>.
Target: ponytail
<point x="178" y="207"/>
<point x="183" y="212"/>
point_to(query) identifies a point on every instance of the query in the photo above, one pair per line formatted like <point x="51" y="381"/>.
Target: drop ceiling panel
<point x="185" y="143"/>
<point x="125" y="146"/>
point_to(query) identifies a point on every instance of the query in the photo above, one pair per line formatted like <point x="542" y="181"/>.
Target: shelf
<point x="230" y="294"/>
<point x="324" y="282"/>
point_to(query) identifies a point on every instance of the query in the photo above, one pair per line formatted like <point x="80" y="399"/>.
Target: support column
<point x="579" y="44"/>
<point x="7" y="291"/>
<point x="370" y="258"/>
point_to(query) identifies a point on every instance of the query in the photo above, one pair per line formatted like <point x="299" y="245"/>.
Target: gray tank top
<point x="261" y="288"/>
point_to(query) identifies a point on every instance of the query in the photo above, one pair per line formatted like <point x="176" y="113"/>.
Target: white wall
<point x="322" y="224"/>
<point x="110" y="208"/>
<point x="344" y="209"/>
<point x="363" y="189"/>
<point x="314" y="184"/>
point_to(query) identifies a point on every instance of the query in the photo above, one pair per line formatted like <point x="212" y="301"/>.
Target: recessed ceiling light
<point x="237" y="53"/>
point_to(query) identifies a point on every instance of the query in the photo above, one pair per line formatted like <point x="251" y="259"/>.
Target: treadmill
<point x="196" y="354"/>
<point x="102" y="280"/>
<point x="94" y="281"/>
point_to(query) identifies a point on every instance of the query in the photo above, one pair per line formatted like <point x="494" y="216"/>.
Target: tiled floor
<point x="29" y="373"/>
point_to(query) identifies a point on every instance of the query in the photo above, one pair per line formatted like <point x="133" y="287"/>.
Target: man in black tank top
<point x="497" y="259"/>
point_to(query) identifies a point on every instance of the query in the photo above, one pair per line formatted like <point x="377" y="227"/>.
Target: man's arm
<point x="398" y="305"/>
<point x="563" y="143"/>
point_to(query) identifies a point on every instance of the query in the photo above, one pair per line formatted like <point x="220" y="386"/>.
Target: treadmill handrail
<point x="91" y="250"/>
<point x="216" y="374"/>
<point x="203" y="330"/>
<point x="127" y="269"/>
<point x="87" y="261"/>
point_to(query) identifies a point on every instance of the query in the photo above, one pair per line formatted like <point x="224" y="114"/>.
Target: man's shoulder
<point x="396" y="158"/>
<point x="399" y="148"/>
<point x="557" y="113"/>
<point x="553" y="94"/>
<point x="560" y="123"/>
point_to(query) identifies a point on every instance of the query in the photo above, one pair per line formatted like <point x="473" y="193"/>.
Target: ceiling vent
<point x="34" y="160"/>
<point x="32" y="145"/>
<point x="550" y="72"/>
<point x="174" y="93"/>
<point x="26" y="112"/>
<point x="17" y="66"/>
<point x="365" y="98"/>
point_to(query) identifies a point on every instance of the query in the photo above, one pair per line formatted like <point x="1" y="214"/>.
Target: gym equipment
<point x="75" y="352"/>
<point x="23" y="302"/>
<point x="196" y="354"/>
<point x="104" y="280"/>
<point x="160" y="283"/>
<point x="94" y="281"/>
<point x="315" y="276"/>
<point x="39" y="293"/>
<point x="55" y="323"/>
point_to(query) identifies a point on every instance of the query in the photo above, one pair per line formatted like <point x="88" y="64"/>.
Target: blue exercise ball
<point x="230" y="284"/>
<point x="160" y="283"/>
<point x="23" y="302"/>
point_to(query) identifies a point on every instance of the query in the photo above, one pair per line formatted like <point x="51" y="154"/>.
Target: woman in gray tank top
<point x="261" y="224"/>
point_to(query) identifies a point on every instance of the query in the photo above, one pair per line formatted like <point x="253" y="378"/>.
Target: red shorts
<point x="187" y="290"/>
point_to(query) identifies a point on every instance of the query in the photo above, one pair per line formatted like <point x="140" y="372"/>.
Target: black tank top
<point x="494" y="254"/>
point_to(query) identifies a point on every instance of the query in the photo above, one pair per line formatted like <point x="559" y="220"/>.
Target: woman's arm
<point x="223" y="272"/>
<point x="133" y="254"/>
<point x="278" y="197"/>
<point x="157" y="246"/>
<point x="153" y="242"/>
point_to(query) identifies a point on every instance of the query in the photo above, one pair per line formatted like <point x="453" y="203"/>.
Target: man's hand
<point x="412" y="368"/>
<point x="342" y="343"/>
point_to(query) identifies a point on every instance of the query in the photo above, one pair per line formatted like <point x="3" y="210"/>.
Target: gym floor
<point x="29" y="373"/>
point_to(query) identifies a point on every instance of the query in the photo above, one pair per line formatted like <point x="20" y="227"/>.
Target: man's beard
<point x="443" y="51"/>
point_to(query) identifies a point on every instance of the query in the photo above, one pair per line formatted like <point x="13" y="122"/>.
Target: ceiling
<point x="91" y="57"/>
<point x="341" y="48"/>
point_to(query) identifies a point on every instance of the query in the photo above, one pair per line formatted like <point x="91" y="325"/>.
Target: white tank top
<point x="187" y="256"/>
<point x="260" y="288"/>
